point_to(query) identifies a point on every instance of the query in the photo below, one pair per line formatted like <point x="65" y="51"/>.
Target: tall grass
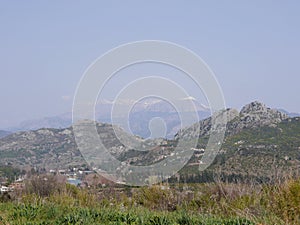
<point x="215" y="203"/>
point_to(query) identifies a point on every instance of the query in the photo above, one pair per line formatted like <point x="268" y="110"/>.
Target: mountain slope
<point x="252" y="115"/>
<point x="265" y="152"/>
<point x="54" y="148"/>
<point x="261" y="143"/>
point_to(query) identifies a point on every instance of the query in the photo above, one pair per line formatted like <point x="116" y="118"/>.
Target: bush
<point x="5" y="197"/>
<point x="219" y="203"/>
<point x="43" y="185"/>
<point x="286" y="201"/>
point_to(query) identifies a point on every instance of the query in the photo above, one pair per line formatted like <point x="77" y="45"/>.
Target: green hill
<point x="262" y="153"/>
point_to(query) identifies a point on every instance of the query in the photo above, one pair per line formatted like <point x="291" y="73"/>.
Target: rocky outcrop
<point x="203" y="128"/>
<point x="262" y="114"/>
<point x="252" y="115"/>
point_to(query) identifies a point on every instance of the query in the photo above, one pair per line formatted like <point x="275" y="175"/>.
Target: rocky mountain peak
<point x="252" y="115"/>
<point x="259" y="114"/>
<point x="254" y="107"/>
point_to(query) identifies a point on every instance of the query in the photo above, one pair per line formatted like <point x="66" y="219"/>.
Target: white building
<point x="4" y="189"/>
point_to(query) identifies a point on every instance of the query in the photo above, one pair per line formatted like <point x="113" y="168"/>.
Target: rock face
<point x="203" y="128"/>
<point x="252" y="115"/>
<point x="261" y="115"/>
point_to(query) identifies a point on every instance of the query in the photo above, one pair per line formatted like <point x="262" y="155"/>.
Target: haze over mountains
<point x="4" y="133"/>
<point x="139" y="117"/>
<point x="257" y="139"/>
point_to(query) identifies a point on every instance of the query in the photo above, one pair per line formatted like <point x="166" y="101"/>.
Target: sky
<point x="253" y="47"/>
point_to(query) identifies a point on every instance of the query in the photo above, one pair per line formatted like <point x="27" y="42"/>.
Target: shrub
<point x="286" y="201"/>
<point x="43" y="185"/>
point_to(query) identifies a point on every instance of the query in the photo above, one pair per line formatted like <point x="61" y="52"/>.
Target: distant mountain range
<point x="139" y="117"/>
<point x="60" y="121"/>
<point x="260" y="143"/>
<point x="290" y="114"/>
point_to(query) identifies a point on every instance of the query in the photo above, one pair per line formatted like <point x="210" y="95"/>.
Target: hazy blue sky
<point x="45" y="46"/>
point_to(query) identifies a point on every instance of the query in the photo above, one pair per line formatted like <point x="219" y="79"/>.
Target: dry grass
<point x="192" y="203"/>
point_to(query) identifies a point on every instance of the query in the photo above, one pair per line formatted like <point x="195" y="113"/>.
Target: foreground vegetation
<point x="57" y="214"/>
<point x="214" y="203"/>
